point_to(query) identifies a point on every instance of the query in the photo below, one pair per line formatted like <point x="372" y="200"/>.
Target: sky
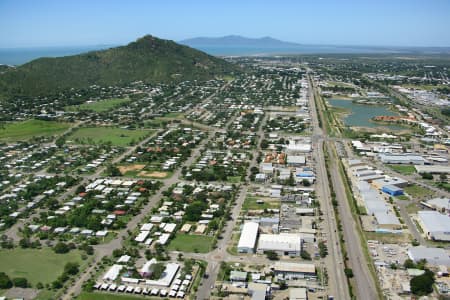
<point x="47" y="23"/>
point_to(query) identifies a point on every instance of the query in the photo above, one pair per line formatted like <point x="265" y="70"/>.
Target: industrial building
<point x="392" y="190"/>
<point x="298" y="294"/>
<point x="296" y="160"/>
<point x="436" y="226"/>
<point x="376" y="206"/>
<point x="249" y="235"/>
<point x="434" y="256"/>
<point x="292" y="270"/>
<point x="395" y="181"/>
<point x="440" y="204"/>
<point x="406" y="159"/>
<point x="282" y="244"/>
<point x="434" y="169"/>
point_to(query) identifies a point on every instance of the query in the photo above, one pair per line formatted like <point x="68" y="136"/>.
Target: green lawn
<point x="234" y="179"/>
<point x="99" y="106"/>
<point x="191" y="243"/>
<point x="110" y="296"/>
<point x="250" y="203"/>
<point x="37" y="265"/>
<point x="45" y="295"/>
<point x="101" y="135"/>
<point x="31" y="128"/>
<point x="403" y="169"/>
<point x="416" y="191"/>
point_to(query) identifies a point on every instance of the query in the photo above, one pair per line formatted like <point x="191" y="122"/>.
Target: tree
<point x="71" y="268"/>
<point x="409" y="264"/>
<point x="306" y="182"/>
<point x="157" y="270"/>
<point x="5" y="281"/>
<point x="24" y="243"/>
<point x="272" y="255"/>
<point x="323" y="250"/>
<point x="423" y="284"/>
<point x="443" y="177"/>
<point x="20" y="282"/>
<point x="112" y="170"/>
<point x="428" y="176"/>
<point x="305" y="255"/>
<point x="61" y="248"/>
<point x="348" y="272"/>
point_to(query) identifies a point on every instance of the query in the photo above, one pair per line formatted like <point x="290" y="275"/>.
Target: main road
<point x="365" y="282"/>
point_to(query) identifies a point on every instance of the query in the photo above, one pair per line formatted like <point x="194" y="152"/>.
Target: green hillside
<point x="148" y="59"/>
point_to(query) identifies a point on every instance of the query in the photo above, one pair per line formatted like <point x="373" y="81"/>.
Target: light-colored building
<point x="433" y="256"/>
<point x="407" y="159"/>
<point x="249" y="235"/>
<point x="436" y="226"/>
<point x="292" y="270"/>
<point x="298" y="294"/>
<point x="282" y="244"/>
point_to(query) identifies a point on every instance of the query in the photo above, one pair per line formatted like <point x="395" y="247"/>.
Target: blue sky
<point x="40" y="23"/>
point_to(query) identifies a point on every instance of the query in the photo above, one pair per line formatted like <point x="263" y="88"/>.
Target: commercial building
<point x="436" y="226"/>
<point x="433" y="256"/>
<point x="296" y="160"/>
<point x="440" y="204"/>
<point x="406" y="159"/>
<point x="291" y="270"/>
<point x="434" y="169"/>
<point x="298" y="294"/>
<point x="249" y="235"/>
<point x="392" y="190"/>
<point x="377" y="207"/>
<point x="282" y="244"/>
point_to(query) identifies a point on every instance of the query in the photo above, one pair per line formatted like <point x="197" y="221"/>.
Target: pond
<point x="360" y="115"/>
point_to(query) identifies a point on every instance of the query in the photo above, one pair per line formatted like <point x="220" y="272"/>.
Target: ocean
<point x="19" y="56"/>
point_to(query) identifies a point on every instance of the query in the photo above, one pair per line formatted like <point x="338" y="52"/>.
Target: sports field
<point x="102" y="135"/>
<point x="31" y="128"/>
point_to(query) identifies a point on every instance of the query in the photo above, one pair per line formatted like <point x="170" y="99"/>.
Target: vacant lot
<point x="31" y="128"/>
<point x="416" y="191"/>
<point x="102" y="135"/>
<point x="191" y="243"/>
<point x="251" y="203"/>
<point x="99" y="106"/>
<point x="403" y="169"/>
<point x="37" y="265"/>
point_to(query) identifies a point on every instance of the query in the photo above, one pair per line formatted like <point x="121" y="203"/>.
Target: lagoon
<point x="360" y="115"/>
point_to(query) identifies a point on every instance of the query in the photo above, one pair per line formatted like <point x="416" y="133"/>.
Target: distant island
<point x="238" y="41"/>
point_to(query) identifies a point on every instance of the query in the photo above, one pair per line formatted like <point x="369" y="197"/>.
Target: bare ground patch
<point x="128" y="168"/>
<point x="154" y="174"/>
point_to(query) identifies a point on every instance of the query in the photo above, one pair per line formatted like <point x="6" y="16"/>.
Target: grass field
<point x="31" y="128"/>
<point x="191" y="243"/>
<point x="110" y="296"/>
<point x="234" y="179"/>
<point x="250" y="203"/>
<point x="98" y="106"/>
<point x="37" y="265"/>
<point x="102" y="135"/>
<point x="45" y="295"/>
<point x="403" y="169"/>
<point x="416" y="191"/>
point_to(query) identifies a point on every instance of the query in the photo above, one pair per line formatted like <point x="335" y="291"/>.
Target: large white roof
<point x="249" y="235"/>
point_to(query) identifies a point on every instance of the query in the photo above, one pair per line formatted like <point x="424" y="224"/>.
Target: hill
<point x="149" y="59"/>
<point x="238" y="41"/>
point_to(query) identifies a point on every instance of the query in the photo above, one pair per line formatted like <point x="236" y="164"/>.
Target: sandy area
<point x="136" y="167"/>
<point x="153" y="174"/>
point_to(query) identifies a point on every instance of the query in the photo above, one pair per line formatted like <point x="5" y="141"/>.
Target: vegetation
<point x="423" y="284"/>
<point x="403" y="169"/>
<point x="148" y="59"/>
<point x="272" y="255"/>
<point x="31" y="128"/>
<point x="36" y="265"/>
<point x="416" y="191"/>
<point x="191" y="243"/>
<point x="102" y="135"/>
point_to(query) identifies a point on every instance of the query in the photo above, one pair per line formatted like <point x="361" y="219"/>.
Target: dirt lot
<point x="153" y="174"/>
<point x="136" y="167"/>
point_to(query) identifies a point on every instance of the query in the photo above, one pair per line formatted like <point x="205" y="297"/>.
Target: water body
<point x="224" y="50"/>
<point x="19" y="56"/>
<point x="361" y="114"/>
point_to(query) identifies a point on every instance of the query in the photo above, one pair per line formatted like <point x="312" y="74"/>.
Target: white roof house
<point x="249" y="235"/>
<point x="113" y="272"/>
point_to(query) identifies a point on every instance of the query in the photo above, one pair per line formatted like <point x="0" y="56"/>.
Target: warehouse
<point x="434" y="256"/>
<point x="392" y="190"/>
<point x="282" y="244"/>
<point x="395" y="181"/>
<point x="440" y="204"/>
<point x="296" y="160"/>
<point x="376" y="206"/>
<point x="291" y="270"/>
<point x="388" y="158"/>
<point x="433" y="169"/>
<point x="435" y="225"/>
<point x="249" y="235"/>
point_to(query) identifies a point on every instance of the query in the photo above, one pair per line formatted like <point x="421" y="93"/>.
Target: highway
<point x="365" y="283"/>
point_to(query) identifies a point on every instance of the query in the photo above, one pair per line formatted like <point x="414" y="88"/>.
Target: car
<point x="212" y="286"/>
